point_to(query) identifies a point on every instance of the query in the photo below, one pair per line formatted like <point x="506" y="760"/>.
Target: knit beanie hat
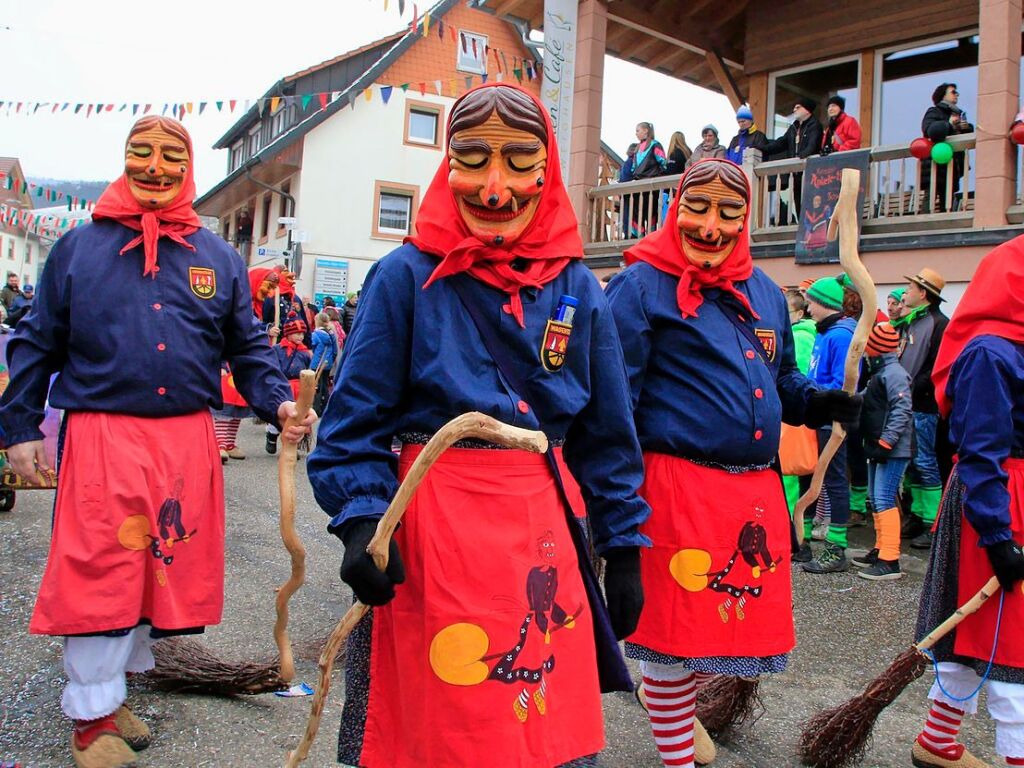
<point x="839" y="101"/>
<point x="707" y="128"/>
<point x="744" y="113"/>
<point x="884" y="338"/>
<point x="827" y="292"/>
<point x="806" y="284"/>
<point x="292" y="325"/>
<point x="897" y="293"/>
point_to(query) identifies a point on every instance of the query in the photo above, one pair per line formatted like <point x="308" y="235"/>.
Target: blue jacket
<point x="700" y="389"/>
<point x="325" y="348"/>
<point x="828" y="358"/>
<point x="415" y="360"/>
<point x="986" y="426"/>
<point x="293" y="364"/>
<point x="144" y="346"/>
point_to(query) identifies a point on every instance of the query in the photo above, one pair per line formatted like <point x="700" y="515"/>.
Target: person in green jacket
<point x="804" y="331"/>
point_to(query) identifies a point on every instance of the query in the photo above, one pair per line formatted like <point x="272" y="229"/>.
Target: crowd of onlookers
<point x="15" y="300"/>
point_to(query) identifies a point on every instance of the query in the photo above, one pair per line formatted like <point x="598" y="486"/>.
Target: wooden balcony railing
<point x="895" y="201"/>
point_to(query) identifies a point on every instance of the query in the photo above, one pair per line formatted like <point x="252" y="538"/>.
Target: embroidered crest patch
<point x="767" y="338"/>
<point x="556" y="341"/>
<point x="202" y="281"/>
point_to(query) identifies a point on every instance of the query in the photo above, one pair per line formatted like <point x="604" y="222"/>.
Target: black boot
<point x="271" y="443"/>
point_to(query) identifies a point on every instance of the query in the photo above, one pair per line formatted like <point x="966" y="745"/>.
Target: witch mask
<point x="157" y="161"/>
<point x="497" y="157"/>
<point x="713" y="203"/>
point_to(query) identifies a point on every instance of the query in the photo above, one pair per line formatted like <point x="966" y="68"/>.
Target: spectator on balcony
<point x="943" y="119"/>
<point x="709" y="148"/>
<point x="678" y="154"/>
<point x="747" y="138"/>
<point x="843" y="131"/>
<point x="645" y="159"/>
<point x="802" y="139"/>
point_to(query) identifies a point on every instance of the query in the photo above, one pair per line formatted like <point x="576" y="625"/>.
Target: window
<point x="277" y="122"/>
<point x="10" y="249"/>
<point x="394" y="209"/>
<point x="255" y="139"/>
<point x="908" y="77"/>
<point x="235" y="156"/>
<point x="818" y="82"/>
<point x="423" y="122"/>
<point x="471" y="53"/>
<point x="265" y="224"/>
<point x="282" y="209"/>
<point x="28" y="253"/>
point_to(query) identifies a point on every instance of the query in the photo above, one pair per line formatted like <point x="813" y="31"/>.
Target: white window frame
<point x="464" y="62"/>
<point x="380" y="210"/>
<point x="254" y="141"/>
<point x="235" y="155"/>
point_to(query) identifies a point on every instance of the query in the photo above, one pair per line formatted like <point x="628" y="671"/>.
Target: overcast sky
<point x="130" y="51"/>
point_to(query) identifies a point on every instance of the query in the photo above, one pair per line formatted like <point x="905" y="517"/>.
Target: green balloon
<point x="942" y="152"/>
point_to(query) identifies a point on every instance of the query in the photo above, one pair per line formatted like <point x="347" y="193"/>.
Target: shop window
<point x="423" y="123"/>
<point x="471" y="53"/>
<point x="818" y="82"/>
<point x="394" y="209"/>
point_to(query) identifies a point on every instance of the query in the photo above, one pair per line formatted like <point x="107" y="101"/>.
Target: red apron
<point x="228" y="392"/>
<point x="138" y="529"/>
<point x="486" y="655"/>
<point x="717" y="580"/>
<point x="974" y="636"/>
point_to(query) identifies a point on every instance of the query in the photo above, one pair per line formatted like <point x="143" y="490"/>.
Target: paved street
<point x="848" y="629"/>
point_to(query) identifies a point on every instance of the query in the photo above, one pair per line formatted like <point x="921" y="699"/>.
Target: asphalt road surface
<point x="848" y="629"/>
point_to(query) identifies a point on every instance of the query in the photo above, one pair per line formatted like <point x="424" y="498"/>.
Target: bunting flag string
<point x="43" y="224"/>
<point x="7" y="181"/>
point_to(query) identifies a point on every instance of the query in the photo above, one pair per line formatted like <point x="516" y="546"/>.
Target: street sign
<point x="331" y="278"/>
<point x="269" y="253"/>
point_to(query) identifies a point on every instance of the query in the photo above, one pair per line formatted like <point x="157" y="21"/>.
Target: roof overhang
<point x="238" y="187"/>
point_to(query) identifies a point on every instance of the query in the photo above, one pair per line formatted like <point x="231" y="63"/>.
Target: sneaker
<point x="271" y="443"/>
<point x="804" y="554"/>
<point x="831" y="560"/>
<point x="235" y="452"/>
<point x="882" y="570"/>
<point x="924" y="541"/>
<point x="857" y="520"/>
<point x="866" y="561"/>
<point x="819" y="532"/>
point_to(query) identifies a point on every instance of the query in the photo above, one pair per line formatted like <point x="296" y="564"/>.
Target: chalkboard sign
<point x="822" y="179"/>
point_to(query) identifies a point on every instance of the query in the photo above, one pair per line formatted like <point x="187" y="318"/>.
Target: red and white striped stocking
<point x="940" y="731"/>
<point x="226" y="431"/>
<point x="672" y="705"/>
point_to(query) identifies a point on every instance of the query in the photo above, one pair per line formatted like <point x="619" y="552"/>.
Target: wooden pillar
<point x="867" y="97"/>
<point x="759" y="99"/>
<point x="724" y="79"/>
<point x="998" y="92"/>
<point x="585" y="162"/>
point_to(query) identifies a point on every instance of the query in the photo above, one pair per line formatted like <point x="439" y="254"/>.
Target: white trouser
<point x="1005" y="703"/>
<point x="96" y="668"/>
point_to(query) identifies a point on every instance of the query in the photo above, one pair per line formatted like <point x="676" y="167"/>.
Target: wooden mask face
<point x="710" y="221"/>
<point x="156" y="164"/>
<point x="497" y="173"/>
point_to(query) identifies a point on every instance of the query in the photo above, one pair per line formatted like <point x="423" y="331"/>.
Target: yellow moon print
<point x="134" y="532"/>
<point x="456" y="652"/>
<point x="689" y="567"/>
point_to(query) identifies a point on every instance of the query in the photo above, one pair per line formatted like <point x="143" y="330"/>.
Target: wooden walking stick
<point x="839" y="736"/>
<point x="289" y="535"/>
<point x="468" y="425"/>
<point x="844" y="220"/>
<point x="277" y="307"/>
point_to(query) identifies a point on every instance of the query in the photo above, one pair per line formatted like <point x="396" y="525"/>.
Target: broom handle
<point x="289" y="535"/>
<point x="277" y="308"/>
<point x="469" y="425"/>
<point x="961" y="613"/>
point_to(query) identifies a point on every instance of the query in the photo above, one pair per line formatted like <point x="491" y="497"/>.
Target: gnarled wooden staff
<point x="844" y="221"/>
<point x="289" y="535"/>
<point x="468" y="425"/>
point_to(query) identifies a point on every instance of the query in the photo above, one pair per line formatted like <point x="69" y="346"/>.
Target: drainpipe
<point x="276" y="191"/>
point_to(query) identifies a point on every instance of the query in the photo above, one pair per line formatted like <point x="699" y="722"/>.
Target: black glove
<point x="828" y="405"/>
<point x="1007" y="561"/>
<point x="623" y="590"/>
<point x="372" y="587"/>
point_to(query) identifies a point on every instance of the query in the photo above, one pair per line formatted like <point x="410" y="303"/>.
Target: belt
<point x="421" y="438"/>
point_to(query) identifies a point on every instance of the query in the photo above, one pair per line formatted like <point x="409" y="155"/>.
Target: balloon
<point x="1017" y="133"/>
<point x="921" y="148"/>
<point x="942" y="153"/>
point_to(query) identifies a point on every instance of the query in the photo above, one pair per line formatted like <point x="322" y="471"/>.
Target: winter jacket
<point x="8" y="295"/>
<point x="804" y="333"/>
<point x="700" y="152"/>
<point x="676" y="162"/>
<point x="919" y="344"/>
<point x="841" y="134"/>
<point x="652" y="165"/>
<point x="887" y="414"/>
<point x="293" y="359"/>
<point x="799" y="140"/>
<point x="828" y="357"/>
<point x="348" y="314"/>
<point x="324" y="348"/>
<point x="745" y="140"/>
<point x="935" y="125"/>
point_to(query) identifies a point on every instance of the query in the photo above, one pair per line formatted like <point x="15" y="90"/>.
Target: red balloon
<point x="1017" y="133"/>
<point x="921" y="148"/>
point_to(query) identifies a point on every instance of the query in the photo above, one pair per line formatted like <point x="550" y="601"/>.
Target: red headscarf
<point x="664" y="250"/>
<point x="175" y="221"/>
<point x="548" y="243"/>
<point x="256" y="277"/>
<point x="993" y="305"/>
